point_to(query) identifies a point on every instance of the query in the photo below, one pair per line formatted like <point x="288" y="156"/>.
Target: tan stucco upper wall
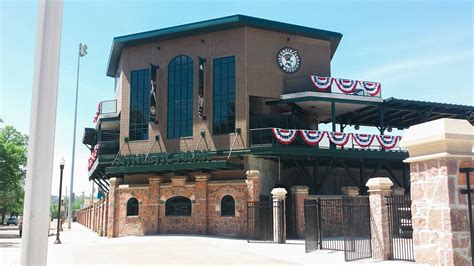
<point x="257" y="74"/>
<point x="265" y="78"/>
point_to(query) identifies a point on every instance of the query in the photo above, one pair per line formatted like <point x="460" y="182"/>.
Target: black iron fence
<point x="468" y="191"/>
<point x="357" y="234"/>
<point x="341" y="223"/>
<point x="400" y="228"/>
<point x="260" y="220"/>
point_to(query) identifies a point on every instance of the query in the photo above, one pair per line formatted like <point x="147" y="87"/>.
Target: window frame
<point x="168" y="208"/>
<point x="130" y="212"/>
<point x="139" y="105"/>
<point x="180" y="97"/>
<point x="228" y="213"/>
<point x="224" y="90"/>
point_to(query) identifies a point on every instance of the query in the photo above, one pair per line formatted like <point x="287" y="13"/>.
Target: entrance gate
<point x="260" y="219"/>
<point x="339" y="224"/>
<point x="400" y="228"/>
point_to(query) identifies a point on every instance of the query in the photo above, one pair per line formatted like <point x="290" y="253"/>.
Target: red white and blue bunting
<point x="388" y="142"/>
<point x="93" y="157"/>
<point x="372" y="88"/>
<point x="346" y="85"/>
<point x="363" y="140"/>
<point x="321" y="83"/>
<point x="312" y="137"/>
<point x="285" y="136"/>
<point x="97" y="113"/>
<point x="339" y="138"/>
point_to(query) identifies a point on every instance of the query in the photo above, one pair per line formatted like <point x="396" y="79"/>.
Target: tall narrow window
<point x="139" y="104"/>
<point x="180" y="97"/>
<point x="227" y="206"/>
<point x="132" y="207"/>
<point x="223" y="95"/>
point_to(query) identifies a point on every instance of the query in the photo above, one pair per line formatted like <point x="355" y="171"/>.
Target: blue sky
<point x="419" y="50"/>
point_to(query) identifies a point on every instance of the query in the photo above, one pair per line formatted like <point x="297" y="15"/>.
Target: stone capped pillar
<point x="379" y="188"/>
<point x="279" y="228"/>
<point x="114" y="206"/>
<point x="300" y="193"/>
<point x="253" y="184"/>
<point x="439" y="211"/>
<point x="350" y="191"/>
<point x="153" y="206"/>
<point x="201" y="200"/>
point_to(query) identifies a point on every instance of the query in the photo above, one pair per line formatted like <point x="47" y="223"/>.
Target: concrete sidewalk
<point x="82" y="246"/>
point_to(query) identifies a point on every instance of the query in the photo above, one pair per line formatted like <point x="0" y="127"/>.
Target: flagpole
<point x="34" y="245"/>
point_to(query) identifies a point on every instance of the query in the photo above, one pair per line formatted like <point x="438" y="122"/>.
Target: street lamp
<point x="82" y="52"/>
<point x="61" y="167"/>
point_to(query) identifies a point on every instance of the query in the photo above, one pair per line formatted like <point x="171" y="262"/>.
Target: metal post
<point x="82" y="52"/>
<point x="469" y="203"/>
<point x="57" y="241"/>
<point x="34" y="244"/>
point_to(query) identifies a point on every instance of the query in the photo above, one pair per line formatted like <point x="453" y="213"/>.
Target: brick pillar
<point x="350" y="191"/>
<point x="201" y="199"/>
<point x="106" y="214"/>
<point x="154" y="197"/>
<point x="379" y="188"/>
<point x="439" y="211"/>
<point x="253" y="184"/>
<point x="300" y="193"/>
<point x="113" y="205"/>
<point x="279" y="228"/>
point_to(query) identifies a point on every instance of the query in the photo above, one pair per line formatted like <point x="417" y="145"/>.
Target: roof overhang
<point x="214" y="25"/>
<point x="175" y="167"/>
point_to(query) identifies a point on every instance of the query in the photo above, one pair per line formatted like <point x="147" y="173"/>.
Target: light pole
<point x="61" y="167"/>
<point x="81" y="53"/>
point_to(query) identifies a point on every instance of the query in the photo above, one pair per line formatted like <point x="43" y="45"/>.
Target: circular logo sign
<point x="289" y="60"/>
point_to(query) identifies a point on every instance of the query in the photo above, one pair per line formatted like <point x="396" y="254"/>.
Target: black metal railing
<point x="311" y="225"/>
<point x="468" y="191"/>
<point x="357" y="232"/>
<point x="400" y="228"/>
<point x="109" y="147"/>
<point x="260" y="219"/>
<point x="262" y="137"/>
<point x="275" y="120"/>
<point x="341" y="223"/>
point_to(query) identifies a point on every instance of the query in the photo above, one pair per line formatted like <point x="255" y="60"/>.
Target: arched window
<point x="227" y="206"/>
<point x="132" y="207"/>
<point x="178" y="206"/>
<point x="180" y="97"/>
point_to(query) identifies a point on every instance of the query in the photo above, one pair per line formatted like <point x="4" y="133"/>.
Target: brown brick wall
<point x="205" y="216"/>
<point x="257" y="74"/>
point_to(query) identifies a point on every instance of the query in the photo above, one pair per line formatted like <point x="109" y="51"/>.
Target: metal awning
<point x="175" y="167"/>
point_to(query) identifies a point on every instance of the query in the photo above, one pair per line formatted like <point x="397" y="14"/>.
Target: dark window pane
<point x="180" y="96"/>
<point x="224" y="95"/>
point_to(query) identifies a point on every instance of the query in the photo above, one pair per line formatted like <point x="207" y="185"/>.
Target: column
<point x="350" y="191"/>
<point x="300" y="193"/>
<point x="279" y="228"/>
<point x="114" y="205"/>
<point x="440" y="216"/>
<point x="201" y="199"/>
<point x="106" y="214"/>
<point x="153" y="203"/>
<point x="253" y="184"/>
<point x="379" y="188"/>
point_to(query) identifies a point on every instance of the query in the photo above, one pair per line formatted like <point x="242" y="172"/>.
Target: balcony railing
<point x="109" y="147"/>
<point x="264" y="137"/>
<point x="310" y="83"/>
<point x="108" y="107"/>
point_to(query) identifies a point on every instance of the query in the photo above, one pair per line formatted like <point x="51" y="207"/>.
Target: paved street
<point x="81" y="246"/>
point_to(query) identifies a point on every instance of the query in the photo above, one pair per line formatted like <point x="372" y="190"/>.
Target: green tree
<point x="13" y="151"/>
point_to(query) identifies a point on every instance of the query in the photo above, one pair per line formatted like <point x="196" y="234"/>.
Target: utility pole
<point x="81" y="53"/>
<point x="34" y="244"/>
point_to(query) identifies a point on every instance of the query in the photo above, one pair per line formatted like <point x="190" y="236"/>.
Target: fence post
<point x="279" y="228"/>
<point x="437" y="149"/>
<point x="379" y="188"/>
